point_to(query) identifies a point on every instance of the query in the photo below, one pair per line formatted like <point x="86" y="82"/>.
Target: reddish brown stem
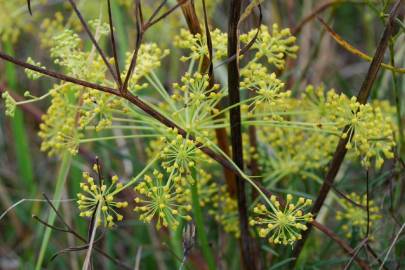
<point x="247" y="247"/>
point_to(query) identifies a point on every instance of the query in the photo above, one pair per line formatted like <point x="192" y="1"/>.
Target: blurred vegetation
<point x="26" y="172"/>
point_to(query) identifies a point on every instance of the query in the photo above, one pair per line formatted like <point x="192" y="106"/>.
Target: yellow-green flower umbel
<point x="355" y="217"/>
<point x="283" y="224"/>
<point x="101" y="197"/>
<point x="162" y="201"/>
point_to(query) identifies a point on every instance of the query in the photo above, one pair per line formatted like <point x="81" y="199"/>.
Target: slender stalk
<point x="201" y="233"/>
<point x="246" y="243"/>
<point x="60" y="182"/>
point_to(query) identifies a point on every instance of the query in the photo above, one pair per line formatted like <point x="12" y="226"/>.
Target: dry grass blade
<point x="138" y="258"/>
<point x="347" y="46"/>
<point x="92" y="234"/>
<point x="391" y="246"/>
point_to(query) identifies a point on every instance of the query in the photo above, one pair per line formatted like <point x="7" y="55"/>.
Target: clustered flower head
<point x="194" y="102"/>
<point x="58" y="129"/>
<point x="150" y="57"/>
<point x="283" y="223"/>
<point x="179" y="155"/>
<point x="268" y="90"/>
<point x="355" y="216"/>
<point x="100" y="196"/>
<point x="197" y="44"/>
<point x="274" y="45"/>
<point x="33" y="75"/>
<point x="10" y="103"/>
<point x="370" y="133"/>
<point x="165" y="202"/>
<point x="96" y="109"/>
<point x="50" y="27"/>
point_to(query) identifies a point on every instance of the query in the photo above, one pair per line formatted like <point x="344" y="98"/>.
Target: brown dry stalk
<point x="246" y="242"/>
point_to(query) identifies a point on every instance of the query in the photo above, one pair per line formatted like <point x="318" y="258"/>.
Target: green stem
<point x="62" y="175"/>
<point x="175" y="242"/>
<point x="198" y="218"/>
<point x="117" y="137"/>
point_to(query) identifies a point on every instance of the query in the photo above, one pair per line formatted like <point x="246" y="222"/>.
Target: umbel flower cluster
<point x="355" y="216"/>
<point x="283" y="224"/>
<point x="296" y="134"/>
<point x="99" y="198"/>
<point x="162" y="201"/>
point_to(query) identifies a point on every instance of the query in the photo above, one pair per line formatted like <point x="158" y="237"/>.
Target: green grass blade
<point x="199" y="221"/>
<point x="21" y="143"/>
<point x="60" y="182"/>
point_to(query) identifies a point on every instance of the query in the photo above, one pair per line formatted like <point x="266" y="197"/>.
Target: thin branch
<point x="93" y="40"/>
<point x="357" y="250"/>
<point x="49" y="225"/>
<point x="113" y="44"/>
<point x="138" y="41"/>
<point x="368" y="205"/>
<point x="191" y="16"/>
<point x="351" y="49"/>
<point x="321" y="8"/>
<point x="164" y="15"/>
<point x="391" y="246"/>
<point x="246" y="48"/>
<point x="157" y="10"/>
